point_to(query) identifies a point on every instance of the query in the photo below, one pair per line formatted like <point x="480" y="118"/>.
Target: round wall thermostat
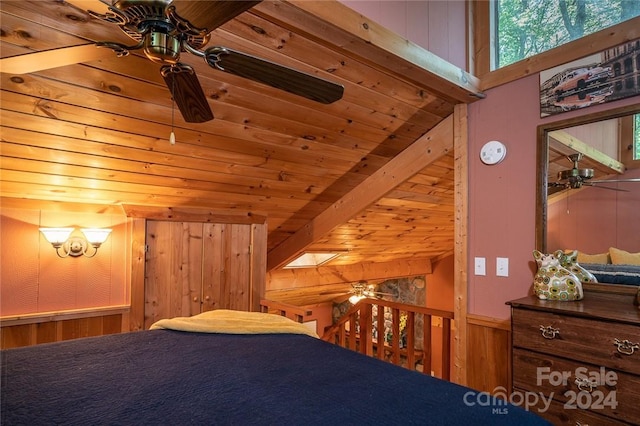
<point x="493" y="152"/>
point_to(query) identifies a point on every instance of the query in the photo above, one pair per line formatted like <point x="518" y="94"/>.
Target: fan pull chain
<point x="172" y="136"/>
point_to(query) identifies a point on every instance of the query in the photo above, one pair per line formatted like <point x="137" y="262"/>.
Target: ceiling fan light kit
<point x="159" y="29"/>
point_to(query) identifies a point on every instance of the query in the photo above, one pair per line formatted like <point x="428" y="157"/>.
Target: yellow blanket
<point x="234" y="322"/>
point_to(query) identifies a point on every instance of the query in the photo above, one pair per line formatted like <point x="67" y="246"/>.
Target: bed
<point x="179" y="375"/>
<point x="614" y="273"/>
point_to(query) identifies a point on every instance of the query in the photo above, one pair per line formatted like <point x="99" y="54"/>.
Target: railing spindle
<point x="395" y="335"/>
<point x="446" y="348"/>
<point x="411" y="340"/>
<point x="353" y="334"/>
<point x="426" y="347"/>
<point x="366" y="340"/>
<point x="381" y="337"/>
<point x="355" y="331"/>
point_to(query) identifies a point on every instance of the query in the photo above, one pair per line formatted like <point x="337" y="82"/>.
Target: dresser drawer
<point x="582" y="339"/>
<point x="555" y="377"/>
<point x="557" y="414"/>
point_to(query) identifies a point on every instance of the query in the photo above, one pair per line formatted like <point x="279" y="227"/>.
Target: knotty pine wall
<point x="55" y="328"/>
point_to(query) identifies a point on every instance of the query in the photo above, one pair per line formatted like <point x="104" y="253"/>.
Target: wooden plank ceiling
<point x="98" y="132"/>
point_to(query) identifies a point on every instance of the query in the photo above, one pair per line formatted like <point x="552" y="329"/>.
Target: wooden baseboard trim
<point x="499" y="323"/>
<point x="61" y="316"/>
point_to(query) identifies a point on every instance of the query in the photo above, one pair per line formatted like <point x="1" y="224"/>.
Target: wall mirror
<point x="588" y="189"/>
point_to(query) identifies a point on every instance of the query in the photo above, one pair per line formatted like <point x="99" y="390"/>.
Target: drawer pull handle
<point x="626" y="347"/>
<point x="549" y="332"/>
<point x="584" y="384"/>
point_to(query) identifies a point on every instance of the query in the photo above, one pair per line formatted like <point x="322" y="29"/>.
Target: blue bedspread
<point x="165" y="377"/>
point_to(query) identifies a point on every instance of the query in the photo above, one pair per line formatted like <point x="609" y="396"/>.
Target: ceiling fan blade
<point x="328" y="293"/>
<point x="595" y="185"/>
<point x="274" y="75"/>
<point x="617" y="180"/>
<point x="211" y="14"/>
<point x="556" y="189"/>
<point x="53" y="58"/>
<point x="187" y="93"/>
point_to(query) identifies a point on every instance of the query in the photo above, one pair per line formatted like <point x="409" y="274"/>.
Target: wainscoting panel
<point x="488" y="353"/>
<point x="47" y="331"/>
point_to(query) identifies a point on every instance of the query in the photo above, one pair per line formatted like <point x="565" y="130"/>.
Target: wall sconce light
<point x="60" y="238"/>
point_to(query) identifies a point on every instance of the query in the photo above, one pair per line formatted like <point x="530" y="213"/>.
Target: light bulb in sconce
<point x="96" y="236"/>
<point x="56" y="236"/>
<point x="355" y="299"/>
<point x="75" y="246"/>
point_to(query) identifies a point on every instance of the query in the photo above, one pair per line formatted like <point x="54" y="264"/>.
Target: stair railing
<point x="391" y="335"/>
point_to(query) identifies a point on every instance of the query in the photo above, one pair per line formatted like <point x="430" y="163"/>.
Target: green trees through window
<point x="528" y="27"/>
<point x="636" y="137"/>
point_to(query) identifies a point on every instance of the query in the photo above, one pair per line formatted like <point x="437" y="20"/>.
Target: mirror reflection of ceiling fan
<point x="158" y="28"/>
<point x="577" y="177"/>
<point x="362" y="290"/>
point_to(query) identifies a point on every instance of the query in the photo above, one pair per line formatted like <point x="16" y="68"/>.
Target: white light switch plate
<point x="502" y="266"/>
<point x="479" y="266"/>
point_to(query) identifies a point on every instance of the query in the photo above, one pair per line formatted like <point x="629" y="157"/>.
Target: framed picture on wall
<point x="604" y="77"/>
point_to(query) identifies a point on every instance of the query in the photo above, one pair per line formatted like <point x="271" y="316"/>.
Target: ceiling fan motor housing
<point x="156" y="25"/>
<point x="161" y="47"/>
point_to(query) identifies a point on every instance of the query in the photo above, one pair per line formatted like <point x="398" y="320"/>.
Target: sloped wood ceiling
<point x="98" y="132"/>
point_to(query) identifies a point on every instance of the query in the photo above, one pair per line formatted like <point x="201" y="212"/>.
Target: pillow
<point x="621" y="257"/>
<point x="600" y="258"/>
<point x="615" y="274"/>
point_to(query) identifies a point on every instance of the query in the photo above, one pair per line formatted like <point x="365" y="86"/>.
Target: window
<point x="528" y="27"/>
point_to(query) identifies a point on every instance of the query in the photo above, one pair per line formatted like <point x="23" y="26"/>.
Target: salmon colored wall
<point x="322" y="315"/>
<point x="438" y="26"/>
<point x="611" y="219"/>
<point x="502" y="197"/>
<point x="34" y="279"/>
<point x="440" y="296"/>
<point x="440" y="285"/>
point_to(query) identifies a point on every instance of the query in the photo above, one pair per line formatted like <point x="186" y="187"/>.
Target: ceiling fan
<point x="362" y="290"/>
<point x="577" y="177"/>
<point x="164" y="29"/>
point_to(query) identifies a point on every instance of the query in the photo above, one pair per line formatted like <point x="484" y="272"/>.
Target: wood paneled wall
<point x="32" y="333"/>
<point x="488" y="353"/>
<point x="192" y="267"/>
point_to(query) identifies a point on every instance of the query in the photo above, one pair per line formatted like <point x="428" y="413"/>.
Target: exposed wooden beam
<point x="425" y="150"/>
<point x="185" y="214"/>
<point x="461" y="261"/>
<point x="283" y="279"/>
<point x="332" y="23"/>
<point x="610" y="165"/>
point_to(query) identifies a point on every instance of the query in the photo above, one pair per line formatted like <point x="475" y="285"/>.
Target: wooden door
<point x="191" y="267"/>
<point x="173" y="272"/>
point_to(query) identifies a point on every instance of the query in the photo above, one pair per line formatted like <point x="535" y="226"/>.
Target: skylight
<point x="311" y="260"/>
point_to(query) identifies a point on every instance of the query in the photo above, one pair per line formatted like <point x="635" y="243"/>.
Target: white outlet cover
<point x="493" y="152"/>
<point x="479" y="266"/>
<point x="502" y="266"/>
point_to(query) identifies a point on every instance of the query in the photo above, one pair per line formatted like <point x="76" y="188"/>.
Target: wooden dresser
<point x="578" y="363"/>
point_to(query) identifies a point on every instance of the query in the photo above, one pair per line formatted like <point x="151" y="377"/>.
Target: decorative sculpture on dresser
<point x="569" y="260"/>
<point x="553" y="281"/>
